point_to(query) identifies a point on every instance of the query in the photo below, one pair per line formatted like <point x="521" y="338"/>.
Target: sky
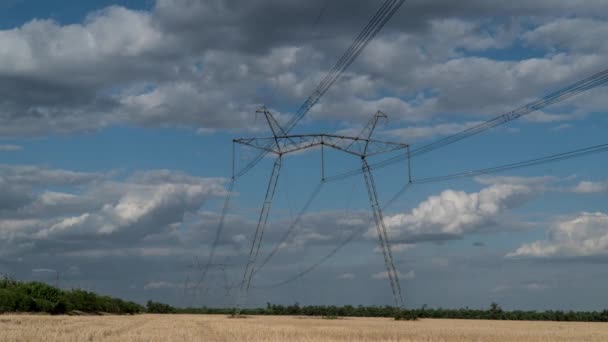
<point x="116" y="128"/>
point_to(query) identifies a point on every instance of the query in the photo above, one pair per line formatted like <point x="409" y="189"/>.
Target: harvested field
<point x="220" y="328"/>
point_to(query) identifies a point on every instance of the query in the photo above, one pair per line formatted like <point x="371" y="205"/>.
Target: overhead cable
<point x="591" y="82"/>
<point x="507" y="167"/>
<point x="375" y="24"/>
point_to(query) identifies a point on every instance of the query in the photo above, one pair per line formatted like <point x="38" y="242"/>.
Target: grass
<point x="26" y="328"/>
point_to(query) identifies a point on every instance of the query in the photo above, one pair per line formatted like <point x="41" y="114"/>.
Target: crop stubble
<point x="26" y="328"/>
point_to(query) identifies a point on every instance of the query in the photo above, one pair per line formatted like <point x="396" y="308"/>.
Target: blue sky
<point x="116" y="147"/>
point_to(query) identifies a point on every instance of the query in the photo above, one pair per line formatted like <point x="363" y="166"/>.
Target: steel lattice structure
<point x="375" y="24"/>
<point x="361" y="146"/>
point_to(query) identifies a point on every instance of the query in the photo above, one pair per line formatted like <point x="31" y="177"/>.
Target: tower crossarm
<point x="358" y="146"/>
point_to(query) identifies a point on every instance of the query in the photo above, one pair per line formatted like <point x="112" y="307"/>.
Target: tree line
<point x="494" y="312"/>
<point x="29" y="297"/>
<point x="16" y="296"/>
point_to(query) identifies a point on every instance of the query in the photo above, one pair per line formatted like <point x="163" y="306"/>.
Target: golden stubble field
<point x="220" y="328"/>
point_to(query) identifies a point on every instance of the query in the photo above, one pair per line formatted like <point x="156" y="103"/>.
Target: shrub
<point x="159" y="308"/>
<point x="39" y="297"/>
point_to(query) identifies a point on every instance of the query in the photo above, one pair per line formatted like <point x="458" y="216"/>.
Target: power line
<point x="363" y="147"/>
<point x="555" y="97"/>
<point x="507" y="167"/>
<point x="218" y="233"/>
<point x="365" y="133"/>
<point x="291" y="227"/>
<point x="321" y="13"/>
<point x="376" y="23"/>
<point x="519" y="165"/>
<point x="334" y="251"/>
<point x="560" y="95"/>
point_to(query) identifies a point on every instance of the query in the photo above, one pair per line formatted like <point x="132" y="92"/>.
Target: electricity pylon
<point x="362" y="146"/>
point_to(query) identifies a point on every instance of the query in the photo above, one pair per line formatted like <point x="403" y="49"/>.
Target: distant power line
<point x="519" y="165"/>
<point x="321" y="13"/>
<point x="565" y="93"/>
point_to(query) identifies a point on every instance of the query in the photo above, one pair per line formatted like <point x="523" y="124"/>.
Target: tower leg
<point x="216" y="240"/>
<point x="393" y="275"/>
<point x="257" y="239"/>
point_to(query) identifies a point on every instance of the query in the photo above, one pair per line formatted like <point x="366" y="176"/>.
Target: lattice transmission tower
<point x="361" y="146"/>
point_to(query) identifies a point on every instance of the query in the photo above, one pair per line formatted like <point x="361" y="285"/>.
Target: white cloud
<point x="34" y="175"/>
<point x="561" y="127"/>
<point x="150" y="206"/>
<point x="157" y="285"/>
<point x="397" y="247"/>
<point x="43" y="270"/>
<point x="346" y="276"/>
<point x="10" y="148"/>
<point x="501" y="288"/>
<point x="401" y="247"/>
<point x="533" y="182"/>
<point x="63" y="225"/>
<point x="96" y="208"/>
<point x="565" y="33"/>
<point x="454" y="213"/>
<point x="75" y="47"/>
<point x="536" y="286"/>
<point x="207" y="66"/>
<point x="440" y="262"/>
<point x="585" y="235"/>
<point x="384" y="275"/>
<point x="533" y="287"/>
<point x="587" y="187"/>
<point x="414" y="133"/>
<point x="239" y="238"/>
<point x="543" y="117"/>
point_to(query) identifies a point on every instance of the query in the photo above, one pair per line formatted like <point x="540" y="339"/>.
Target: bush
<point x="43" y="305"/>
<point x="406" y="315"/>
<point x="39" y="297"/>
<point x="40" y="291"/>
<point x="60" y="308"/>
<point x="12" y="301"/>
<point x="159" y="308"/>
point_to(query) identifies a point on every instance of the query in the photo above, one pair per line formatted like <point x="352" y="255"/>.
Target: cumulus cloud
<point x="533" y="182"/>
<point x="585" y="235"/>
<point x="10" y="148"/>
<point x="346" y="276"/>
<point x="95" y="209"/>
<point x="452" y="213"/>
<point x="157" y="285"/>
<point x="384" y="275"/>
<point x="17" y="182"/>
<point x="320" y="228"/>
<point x="529" y="286"/>
<point x="563" y="33"/>
<point x="587" y="187"/>
<point x="536" y="286"/>
<point x="207" y="65"/>
<point x="43" y="270"/>
<point x="36" y="176"/>
<point x="414" y="133"/>
<point x="397" y="247"/>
